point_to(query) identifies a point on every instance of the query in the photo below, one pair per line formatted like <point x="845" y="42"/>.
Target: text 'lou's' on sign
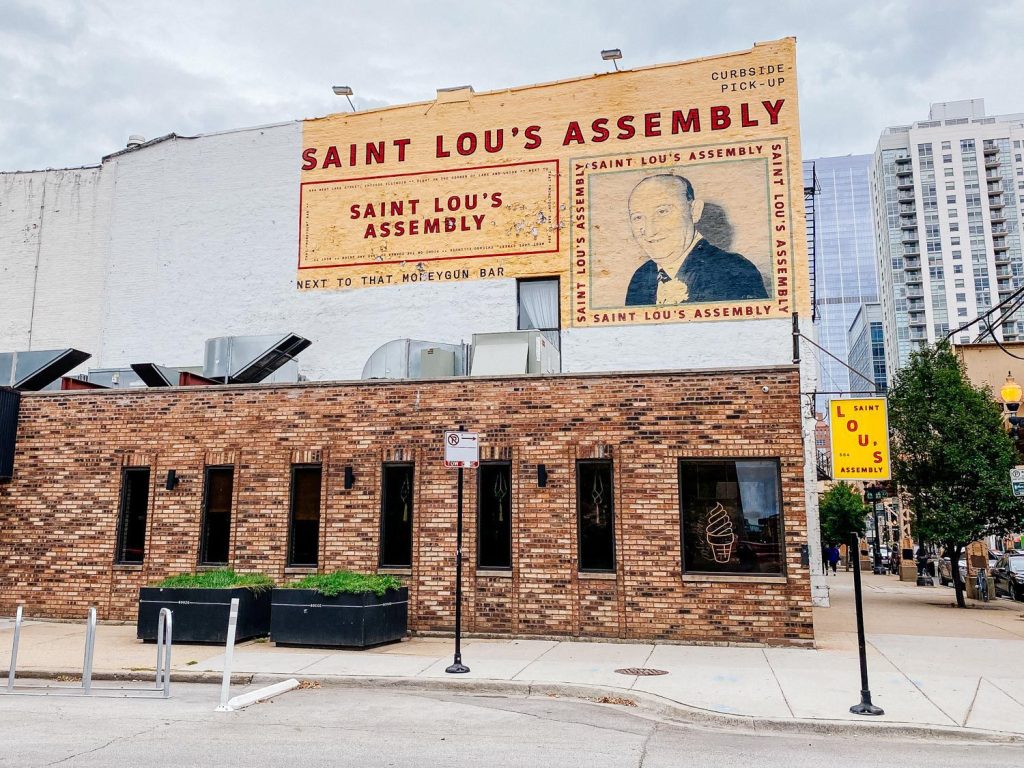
<point x="461" y="449"/>
<point x="860" y="439"/>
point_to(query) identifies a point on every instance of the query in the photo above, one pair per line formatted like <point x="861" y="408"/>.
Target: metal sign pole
<point x="865" y="707"/>
<point x="457" y="667"/>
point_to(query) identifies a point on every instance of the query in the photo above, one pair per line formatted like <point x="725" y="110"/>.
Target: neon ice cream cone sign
<point x="719" y="534"/>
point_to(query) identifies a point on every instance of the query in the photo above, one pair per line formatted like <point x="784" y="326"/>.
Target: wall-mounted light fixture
<point x="350" y="478"/>
<point x="172" y="479"/>
<point x="542" y="476"/>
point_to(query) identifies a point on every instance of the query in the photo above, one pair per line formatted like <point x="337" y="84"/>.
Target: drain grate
<point x="641" y="671"/>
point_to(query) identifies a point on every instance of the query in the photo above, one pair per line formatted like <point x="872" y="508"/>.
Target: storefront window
<point x="216" y="532"/>
<point x="596" y="515"/>
<point x="304" y="533"/>
<point x="731" y="516"/>
<point x="494" y="531"/>
<point x="396" y="516"/>
<point x="131" y="525"/>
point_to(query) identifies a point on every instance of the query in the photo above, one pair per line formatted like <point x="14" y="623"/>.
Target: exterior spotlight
<point x="346" y="91"/>
<point x="612" y="55"/>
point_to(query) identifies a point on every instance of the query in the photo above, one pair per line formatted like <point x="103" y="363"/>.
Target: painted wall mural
<point x="662" y="194"/>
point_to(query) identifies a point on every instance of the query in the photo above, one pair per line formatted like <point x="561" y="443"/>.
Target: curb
<point x="648" y="704"/>
<point x="661" y="707"/>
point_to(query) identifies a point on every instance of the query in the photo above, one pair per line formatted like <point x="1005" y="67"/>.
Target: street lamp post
<point x="1011" y="393"/>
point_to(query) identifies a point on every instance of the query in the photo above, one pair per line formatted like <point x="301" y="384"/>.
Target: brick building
<point x="657" y="480"/>
<point x="78" y="449"/>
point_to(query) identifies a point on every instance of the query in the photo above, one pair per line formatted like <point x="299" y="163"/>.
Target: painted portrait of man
<point x="682" y="265"/>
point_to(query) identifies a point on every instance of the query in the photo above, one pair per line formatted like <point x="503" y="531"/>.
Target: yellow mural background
<point x="333" y="253"/>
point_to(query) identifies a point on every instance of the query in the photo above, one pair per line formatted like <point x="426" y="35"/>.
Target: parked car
<point x="946" y="574"/>
<point x="1008" y="575"/>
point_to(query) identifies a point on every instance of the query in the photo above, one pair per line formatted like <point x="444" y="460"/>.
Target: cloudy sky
<point x="77" y="77"/>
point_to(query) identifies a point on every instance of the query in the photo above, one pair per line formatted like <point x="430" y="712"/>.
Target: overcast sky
<point x="77" y="77"/>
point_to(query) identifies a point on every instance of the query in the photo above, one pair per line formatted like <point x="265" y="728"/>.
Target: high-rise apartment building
<point x="948" y="195"/>
<point x="845" y="262"/>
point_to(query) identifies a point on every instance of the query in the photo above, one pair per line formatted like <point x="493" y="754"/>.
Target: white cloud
<point x="78" y="76"/>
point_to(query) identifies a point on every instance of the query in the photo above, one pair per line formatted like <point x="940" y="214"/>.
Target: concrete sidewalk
<point x="932" y="666"/>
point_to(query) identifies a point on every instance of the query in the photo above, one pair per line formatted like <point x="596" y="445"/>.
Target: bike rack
<point x="161" y="687"/>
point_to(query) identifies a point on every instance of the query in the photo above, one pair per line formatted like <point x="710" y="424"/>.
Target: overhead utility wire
<point x="1002" y="318"/>
<point x="1015" y="295"/>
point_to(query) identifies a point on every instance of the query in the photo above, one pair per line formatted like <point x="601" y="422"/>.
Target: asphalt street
<point x="354" y="727"/>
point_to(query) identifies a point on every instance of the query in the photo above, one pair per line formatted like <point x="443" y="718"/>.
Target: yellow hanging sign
<point x="860" y="439"/>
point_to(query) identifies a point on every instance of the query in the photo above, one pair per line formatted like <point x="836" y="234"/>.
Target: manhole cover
<point x="641" y="671"/>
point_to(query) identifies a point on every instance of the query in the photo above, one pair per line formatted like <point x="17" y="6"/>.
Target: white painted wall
<point x="53" y="231"/>
<point x="162" y="247"/>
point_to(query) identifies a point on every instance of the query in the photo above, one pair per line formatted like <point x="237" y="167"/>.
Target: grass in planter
<point x="347" y="582"/>
<point x="222" y="578"/>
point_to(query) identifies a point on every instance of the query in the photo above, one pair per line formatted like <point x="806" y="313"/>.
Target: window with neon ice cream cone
<point x="731" y="516"/>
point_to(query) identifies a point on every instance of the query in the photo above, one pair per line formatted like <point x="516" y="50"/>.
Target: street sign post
<point x="1017" y="480"/>
<point x="461" y="450"/>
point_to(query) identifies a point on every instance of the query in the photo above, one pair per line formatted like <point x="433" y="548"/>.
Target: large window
<point x="494" y="532"/>
<point x="596" y="515"/>
<point x="538" y="308"/>
<point x="131" y="523"/>
<point x="396" y="516"/>
<point x="304" y="527"/>
<point x="216" y="531"/>
<point x="731" y="516"/>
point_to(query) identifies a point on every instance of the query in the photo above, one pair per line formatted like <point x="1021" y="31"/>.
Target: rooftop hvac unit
<point x="412" y="359"/>
<point x="154" y="375"/>
<point x="512" y="353"/>
<point x="34" y="371"/>
<point x="250" y="359"/>
<point x="115" y="378"/>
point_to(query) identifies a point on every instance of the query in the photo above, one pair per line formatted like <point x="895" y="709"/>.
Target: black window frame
<point x="412" y="512"/>
<point x="579" y="516"/>
<point x="290" y="561"/>
<point x="519" y="304"/>
<point x="777" y="461"/>
<point x="123" y="520"/>
<point x="479" y="516"/>
<point x="204" y="560"/>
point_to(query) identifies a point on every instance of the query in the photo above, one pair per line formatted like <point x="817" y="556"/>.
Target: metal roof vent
<point x="136" y="140"/>
<point x="33" y="371"/>
<point x="251" y="359"/>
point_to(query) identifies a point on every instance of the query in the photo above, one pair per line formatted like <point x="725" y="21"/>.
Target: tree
<point x="951" y="455"/>
<point x="841" y="511"/>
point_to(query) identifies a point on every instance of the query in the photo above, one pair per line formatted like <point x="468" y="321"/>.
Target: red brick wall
<point x="58" y="515"/>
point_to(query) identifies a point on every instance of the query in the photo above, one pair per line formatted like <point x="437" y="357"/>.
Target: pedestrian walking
<point x="833" y="557"/>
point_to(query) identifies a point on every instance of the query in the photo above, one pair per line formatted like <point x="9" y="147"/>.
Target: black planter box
<point x="201" y="615"/>
<point x="306" y="617"/>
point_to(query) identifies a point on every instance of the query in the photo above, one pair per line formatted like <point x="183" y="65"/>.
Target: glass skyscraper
<point x="844" y="263"/>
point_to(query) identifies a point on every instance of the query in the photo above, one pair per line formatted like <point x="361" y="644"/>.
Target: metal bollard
<point x="225" y="687"/>
<point x="14" y="650"/>
<point x="90" y="645"/>
<point x="163" y="651"/>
